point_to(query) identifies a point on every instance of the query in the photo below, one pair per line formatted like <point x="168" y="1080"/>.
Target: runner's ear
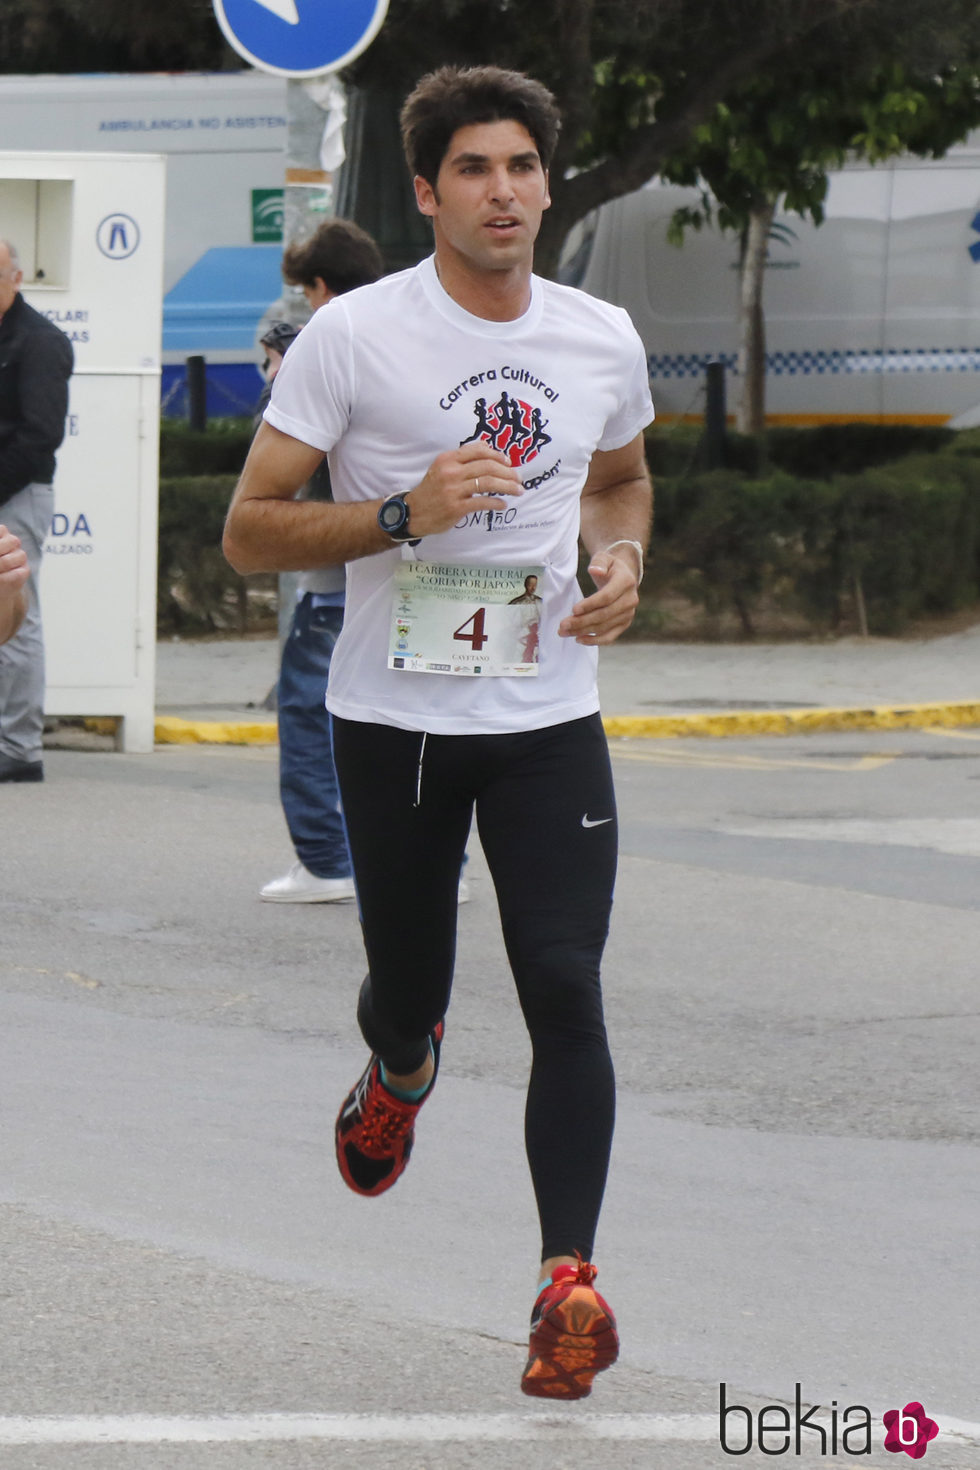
<point x="425" y="196"/>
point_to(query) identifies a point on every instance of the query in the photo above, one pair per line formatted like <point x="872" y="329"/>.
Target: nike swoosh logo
<point x="600" y="823"/>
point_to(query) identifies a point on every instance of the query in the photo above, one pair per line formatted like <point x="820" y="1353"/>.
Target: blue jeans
<point x="307" y="779"/>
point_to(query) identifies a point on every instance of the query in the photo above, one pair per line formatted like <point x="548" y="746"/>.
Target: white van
<point x="875" y="315"/>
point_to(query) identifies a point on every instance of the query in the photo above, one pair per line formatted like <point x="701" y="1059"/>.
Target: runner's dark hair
<point x="340" y="254"/>
<point x="455" y="97"/>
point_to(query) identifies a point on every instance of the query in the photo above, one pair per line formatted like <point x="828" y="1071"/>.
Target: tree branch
<point x="649" y="145"/>
<point x="575" y="31"/>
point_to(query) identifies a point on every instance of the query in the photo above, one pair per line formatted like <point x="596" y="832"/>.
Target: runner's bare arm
<point x="14" y="574"/>
<point x="617" y="506"/>
<point x="267" y="530"/>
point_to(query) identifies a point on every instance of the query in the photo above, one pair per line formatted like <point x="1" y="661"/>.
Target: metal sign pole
<point x="306" y="41"/>
<point x="308" y="200"/>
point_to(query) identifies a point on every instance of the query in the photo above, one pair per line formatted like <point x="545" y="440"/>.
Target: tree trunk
<point x="555" y="225"/>
<point x="750" y="417"/>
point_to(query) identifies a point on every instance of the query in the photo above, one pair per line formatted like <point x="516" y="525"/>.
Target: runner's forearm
<point x="268" y="530"/>
<point x="268" y="535"/>
<point x="621" y="513"/>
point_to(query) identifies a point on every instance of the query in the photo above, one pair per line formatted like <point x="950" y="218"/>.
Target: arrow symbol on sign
<point x="285" y="9"/>
<point x="975" y="248"/>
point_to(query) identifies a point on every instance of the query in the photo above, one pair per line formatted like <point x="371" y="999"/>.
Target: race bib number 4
<point x="465" y="620"/>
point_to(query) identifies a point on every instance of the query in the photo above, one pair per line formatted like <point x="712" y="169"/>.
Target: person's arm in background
<point x="14" y="573"/>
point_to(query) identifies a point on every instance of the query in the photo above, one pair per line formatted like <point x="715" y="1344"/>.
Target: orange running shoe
<point x="573" y="1336"/>
<point x="375" y="1129"/>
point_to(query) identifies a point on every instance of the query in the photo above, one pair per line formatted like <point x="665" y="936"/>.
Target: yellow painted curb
<point x="796" y="721"/>
<point x="168" y="730"/>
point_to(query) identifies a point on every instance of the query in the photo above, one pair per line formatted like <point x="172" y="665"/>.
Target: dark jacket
<point x="35" y="364"/>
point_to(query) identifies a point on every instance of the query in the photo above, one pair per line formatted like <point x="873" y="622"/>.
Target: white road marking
<point x="960" y="1428"/>
<point x="558" y="1424"/>
<point x="958" y="836"/>
<point x="951" y="734"/>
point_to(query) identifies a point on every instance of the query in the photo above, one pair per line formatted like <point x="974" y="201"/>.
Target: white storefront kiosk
<point x="89" y="231"/>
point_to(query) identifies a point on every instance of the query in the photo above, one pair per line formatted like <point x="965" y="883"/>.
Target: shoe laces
<point x="381" y="1125"/>
<point x="585" y="1273"/>
<point x="582" y="1274"/>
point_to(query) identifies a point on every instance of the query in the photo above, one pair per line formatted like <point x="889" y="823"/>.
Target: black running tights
<point x="547" y="821"/>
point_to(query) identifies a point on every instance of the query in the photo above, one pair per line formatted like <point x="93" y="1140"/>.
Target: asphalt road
<point x="792" y="999"/>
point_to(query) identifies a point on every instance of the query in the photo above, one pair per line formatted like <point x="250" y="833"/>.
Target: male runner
<point x="430" y="719"/>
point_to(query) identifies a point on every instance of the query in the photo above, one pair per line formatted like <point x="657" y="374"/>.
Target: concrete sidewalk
<point x="216" y="690"/>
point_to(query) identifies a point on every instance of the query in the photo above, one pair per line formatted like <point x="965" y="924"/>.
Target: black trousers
<point x="546" y="814"/>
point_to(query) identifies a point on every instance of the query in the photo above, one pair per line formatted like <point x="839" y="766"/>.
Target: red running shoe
<point x="573" y="1336"/>
<point x="375" y="1130"/>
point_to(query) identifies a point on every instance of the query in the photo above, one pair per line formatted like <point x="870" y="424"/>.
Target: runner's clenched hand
<point x="608" y="612"/>
<point x="459" y="482"/>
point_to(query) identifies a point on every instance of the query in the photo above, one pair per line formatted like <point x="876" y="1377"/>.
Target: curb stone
<point x="169" y="730"/>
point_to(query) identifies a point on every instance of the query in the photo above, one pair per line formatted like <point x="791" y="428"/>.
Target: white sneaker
<point x="299" y="885"/>
<point x="463" y="894"/>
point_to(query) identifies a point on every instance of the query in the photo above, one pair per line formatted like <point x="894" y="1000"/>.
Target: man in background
<point x="336" y="259"/>
<point x="35" y="365"/>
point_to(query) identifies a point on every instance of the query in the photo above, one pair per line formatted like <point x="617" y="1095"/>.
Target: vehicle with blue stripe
<point x="874" y="315"/>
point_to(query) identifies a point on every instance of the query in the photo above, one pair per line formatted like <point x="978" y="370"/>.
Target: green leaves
<point x="778" y="134"/>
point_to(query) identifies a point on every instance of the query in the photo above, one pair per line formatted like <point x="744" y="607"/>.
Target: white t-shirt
<point x="387" y="377"/>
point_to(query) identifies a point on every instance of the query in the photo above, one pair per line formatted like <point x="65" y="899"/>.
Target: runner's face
<point x="489" y="197"/>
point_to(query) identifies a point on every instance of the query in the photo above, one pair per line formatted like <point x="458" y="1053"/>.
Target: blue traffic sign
<point x="300" y="38"/>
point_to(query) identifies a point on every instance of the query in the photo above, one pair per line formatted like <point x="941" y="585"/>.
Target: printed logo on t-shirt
<point x="510" y="425"/>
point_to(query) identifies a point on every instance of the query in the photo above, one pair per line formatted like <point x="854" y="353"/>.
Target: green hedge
<point x="220" y="449"/>
<point x="867" y="551"/>
<point x="197" y="591"/>
<point x="818" y="453"/>
<point x="847" y="449"/>
<point x="865" y="536"/>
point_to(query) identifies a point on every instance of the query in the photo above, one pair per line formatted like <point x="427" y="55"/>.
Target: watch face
<point x="392" y="515"/>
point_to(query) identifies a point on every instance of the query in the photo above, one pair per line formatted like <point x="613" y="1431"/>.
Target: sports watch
<point x="393" y="519"/>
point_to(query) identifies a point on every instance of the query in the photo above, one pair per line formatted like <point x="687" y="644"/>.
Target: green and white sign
<point x="267" y="216"/>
